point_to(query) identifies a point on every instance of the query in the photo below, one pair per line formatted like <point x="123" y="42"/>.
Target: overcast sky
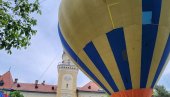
<point x="28" y="65"/>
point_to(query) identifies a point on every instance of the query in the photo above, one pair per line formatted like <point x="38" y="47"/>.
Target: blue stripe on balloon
<point x="162" y="62"/>
<point x="153" y="6"/>
<point x="96" y="59"/>
<point x="149" y="34"/>
<point x="147" y="5"/>
<point x="156" y="11"/>
<point x="79" y="62"/>
<point x="118" y="45"/>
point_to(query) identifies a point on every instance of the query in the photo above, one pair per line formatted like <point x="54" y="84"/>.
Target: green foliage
<point x="16" y="94"/>
<point x="16" y="23"/>
<point x="160" y="91"/>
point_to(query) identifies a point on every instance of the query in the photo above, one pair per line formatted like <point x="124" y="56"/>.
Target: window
<point x="146" y="17"/>
<point x="52" y="87"/>
<point x="18" y="85"/>
<point x="1" y="83"/>
<point x="66" y="85"/>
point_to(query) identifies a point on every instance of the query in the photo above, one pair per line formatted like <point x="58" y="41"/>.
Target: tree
<point x="16" y="23"/>
<point x="16" y="94"/>
<point x="160" y="91"/>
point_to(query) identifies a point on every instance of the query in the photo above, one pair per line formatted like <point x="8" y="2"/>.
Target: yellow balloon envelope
<point x="123" y="45"/>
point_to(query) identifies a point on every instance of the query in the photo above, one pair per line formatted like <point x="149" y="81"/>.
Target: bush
<point x="16" y="94"/>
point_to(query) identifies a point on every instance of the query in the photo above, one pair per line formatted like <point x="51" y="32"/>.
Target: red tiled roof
<point x="7" y="79"/>
<point x="32" y="87"/>
<point x="91" y="86"/>
<point x="9" y="84"/>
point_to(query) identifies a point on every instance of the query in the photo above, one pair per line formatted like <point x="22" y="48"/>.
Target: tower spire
<point x="66" y="60"/>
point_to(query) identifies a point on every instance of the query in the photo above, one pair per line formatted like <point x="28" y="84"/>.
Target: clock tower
<point x="67" y="78"/>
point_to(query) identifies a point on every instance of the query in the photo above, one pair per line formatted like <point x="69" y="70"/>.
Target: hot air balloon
<point x="122" y="45"/>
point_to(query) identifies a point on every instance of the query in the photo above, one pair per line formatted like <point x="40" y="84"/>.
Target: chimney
<point x="36" y="82"/>
<point x="16" y="80"/>
<point x="43" y="83"/>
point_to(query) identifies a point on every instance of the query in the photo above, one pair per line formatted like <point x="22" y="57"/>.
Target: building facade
<point x="67" y="84"/>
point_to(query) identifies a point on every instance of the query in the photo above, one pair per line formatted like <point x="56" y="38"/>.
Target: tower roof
<point x="66" y="60"/>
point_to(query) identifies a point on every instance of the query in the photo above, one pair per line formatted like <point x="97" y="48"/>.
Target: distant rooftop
<point x="91" y="87"/>
<point x="7" y="82"/>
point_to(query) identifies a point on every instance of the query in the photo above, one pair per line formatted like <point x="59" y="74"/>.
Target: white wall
<point x="91" y="94"/>
<point x="80" y="94"/>
<point x="35" y="94"/>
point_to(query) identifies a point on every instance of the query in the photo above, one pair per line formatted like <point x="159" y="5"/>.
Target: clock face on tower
<point x="67" y="78"/>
